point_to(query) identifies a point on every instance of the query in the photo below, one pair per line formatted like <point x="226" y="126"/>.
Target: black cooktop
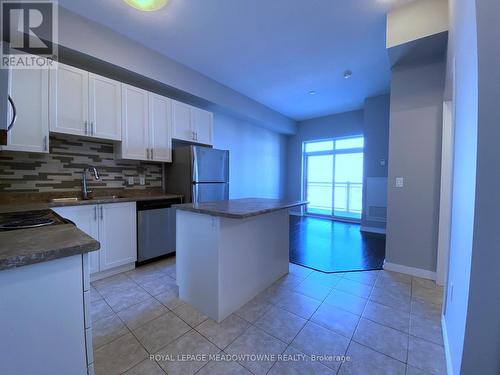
<point x="29" y="219"/>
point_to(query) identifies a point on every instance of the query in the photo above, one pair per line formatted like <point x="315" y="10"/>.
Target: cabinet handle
<point x="152" y="157"/>
<point x="194" y="136"/>
<point x="92" y="128"/>
<point x="45" y="143"/>
<point x="86" y="127"/>
<point x="147" y="153"/>
<point x="95" y="213"/>
<point x="102" y="213"/>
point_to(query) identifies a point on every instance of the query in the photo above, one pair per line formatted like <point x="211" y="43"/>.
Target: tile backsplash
<point x="61" y="169"/>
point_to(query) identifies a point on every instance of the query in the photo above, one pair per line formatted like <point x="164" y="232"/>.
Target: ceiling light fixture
<point x="147" y="5"/>
<point x="312" y="92"/>
<point x="347" y="74"/>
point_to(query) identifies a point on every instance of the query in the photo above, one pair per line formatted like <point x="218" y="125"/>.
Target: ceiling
<point x="275" y="52"/>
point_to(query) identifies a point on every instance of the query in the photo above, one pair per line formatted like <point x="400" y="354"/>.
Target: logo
<point x="29" y="34"/>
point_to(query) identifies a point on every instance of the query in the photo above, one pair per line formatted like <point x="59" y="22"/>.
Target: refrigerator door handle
<point x="195" y="193"/>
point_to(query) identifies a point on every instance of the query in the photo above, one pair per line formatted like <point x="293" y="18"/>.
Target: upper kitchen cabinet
<point x="192" y="124"/>
<point x="181" y="121"/>
<point x="146" y="126"/>
<point x="85" y="104"/>
<point x="69" y="100"/>
<point x="203" y="123"/>
<point x="160" y="128"/>
<point x="29" y="90"/>
<point x="105" y="107"/>
<point x="135" y="124"/>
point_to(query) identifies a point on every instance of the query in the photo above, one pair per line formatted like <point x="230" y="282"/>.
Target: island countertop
<point x="240" y="208"/>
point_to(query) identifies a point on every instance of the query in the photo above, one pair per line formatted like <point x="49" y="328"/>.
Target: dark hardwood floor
<point x="334" y="246"/>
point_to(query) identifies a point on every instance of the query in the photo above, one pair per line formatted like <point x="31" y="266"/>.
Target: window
<point x="333" y="177"/>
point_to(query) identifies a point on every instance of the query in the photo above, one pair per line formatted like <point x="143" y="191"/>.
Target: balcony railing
<point x="346" y="197"/>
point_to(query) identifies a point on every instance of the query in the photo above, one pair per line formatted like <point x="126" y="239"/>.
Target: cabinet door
<point x="202" y="126"/>
<point x="86" y="219"/>
<point x="71" y="101"/>
<point x="135" y="140"/>
<point x="29" y="89"/>
<point x="160" y="123"/>
<point x="181" y="121"/>
<point x="105" y="108"/>
<point x="118" y="234"/>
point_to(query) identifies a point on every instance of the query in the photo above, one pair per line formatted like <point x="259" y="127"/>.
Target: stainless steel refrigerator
<point x="200" y="174"/>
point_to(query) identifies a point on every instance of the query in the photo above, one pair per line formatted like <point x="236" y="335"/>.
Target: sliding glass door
<point x="333" y="177"/>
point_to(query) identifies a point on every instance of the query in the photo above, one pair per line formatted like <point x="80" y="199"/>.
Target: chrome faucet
<point x="85" y="190"/>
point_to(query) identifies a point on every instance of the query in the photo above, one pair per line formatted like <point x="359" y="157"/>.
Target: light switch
<point x="142" y="180"/>
<point x="130" y="181"/>
<point x="383" y="162"/>
<point x="399" y="182"/>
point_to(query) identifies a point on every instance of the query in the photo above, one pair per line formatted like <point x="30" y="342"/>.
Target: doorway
<point x="333" y="177"/>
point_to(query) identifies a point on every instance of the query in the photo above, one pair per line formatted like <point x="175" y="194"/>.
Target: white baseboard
<point x="418" y="272"/>
<point x="113" y="271"/>
<point x="447" y="354"/>
<point x="372" y="230"/>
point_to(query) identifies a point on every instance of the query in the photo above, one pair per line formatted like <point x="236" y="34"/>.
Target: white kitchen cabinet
<point x="135" y="124"/>
<point x="84" y="103"/>
<point x="181" y="121"/>
<point x="29" y="89"/>
<point x="191" y="124"/>
<point x="70" y="100"/>
<point x="118" y="234"/>
<point x="86" y="219"/>
<point x="202" y="123"/>
<point x="105" y="113"/>
<point x="160" y="125"/>
<point x="147" y="124"/>
<point x="114" y="225"/>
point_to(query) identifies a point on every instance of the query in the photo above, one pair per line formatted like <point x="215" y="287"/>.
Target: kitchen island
<point x="230" y="251"/>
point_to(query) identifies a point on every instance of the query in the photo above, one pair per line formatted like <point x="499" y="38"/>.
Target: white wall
<point x="257" y="158"/>
<point x="416" y="20"/>
<point x="472" y="316"/>
<point x="463" y="38"/>
<point x="415" y="154"/>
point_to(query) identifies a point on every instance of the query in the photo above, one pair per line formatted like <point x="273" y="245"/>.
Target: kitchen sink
<point x="65" y="200"/>
<point x="76" y="199"/>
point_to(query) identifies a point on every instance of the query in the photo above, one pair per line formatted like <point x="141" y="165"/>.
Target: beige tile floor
<point x="382" y="322"/>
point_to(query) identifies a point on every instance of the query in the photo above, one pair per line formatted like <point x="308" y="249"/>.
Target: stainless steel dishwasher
<point x="155" y="229"/>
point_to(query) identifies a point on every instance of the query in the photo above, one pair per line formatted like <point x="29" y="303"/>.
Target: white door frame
<point x="445" y="194"/>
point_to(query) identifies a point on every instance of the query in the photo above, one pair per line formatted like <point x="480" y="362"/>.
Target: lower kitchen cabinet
<point x="117" y="234"/>
<point x="114" y="225"/>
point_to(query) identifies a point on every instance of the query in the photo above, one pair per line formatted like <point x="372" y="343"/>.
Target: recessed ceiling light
<point x="147" y="5"/>
<point x="347" y="74"/>
<point x="312" y="92"/>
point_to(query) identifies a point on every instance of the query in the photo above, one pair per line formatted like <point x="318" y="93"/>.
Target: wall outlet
<point x="130" y="181"/>
<point x="383" y="162"/>
<point x="142" y="180"/>
<point x="400" y="182"/>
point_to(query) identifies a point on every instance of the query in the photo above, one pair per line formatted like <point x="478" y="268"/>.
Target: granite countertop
<point x="29" y="246"/>
<point x="240" y="208"/>
<point x="40" y="201"/>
